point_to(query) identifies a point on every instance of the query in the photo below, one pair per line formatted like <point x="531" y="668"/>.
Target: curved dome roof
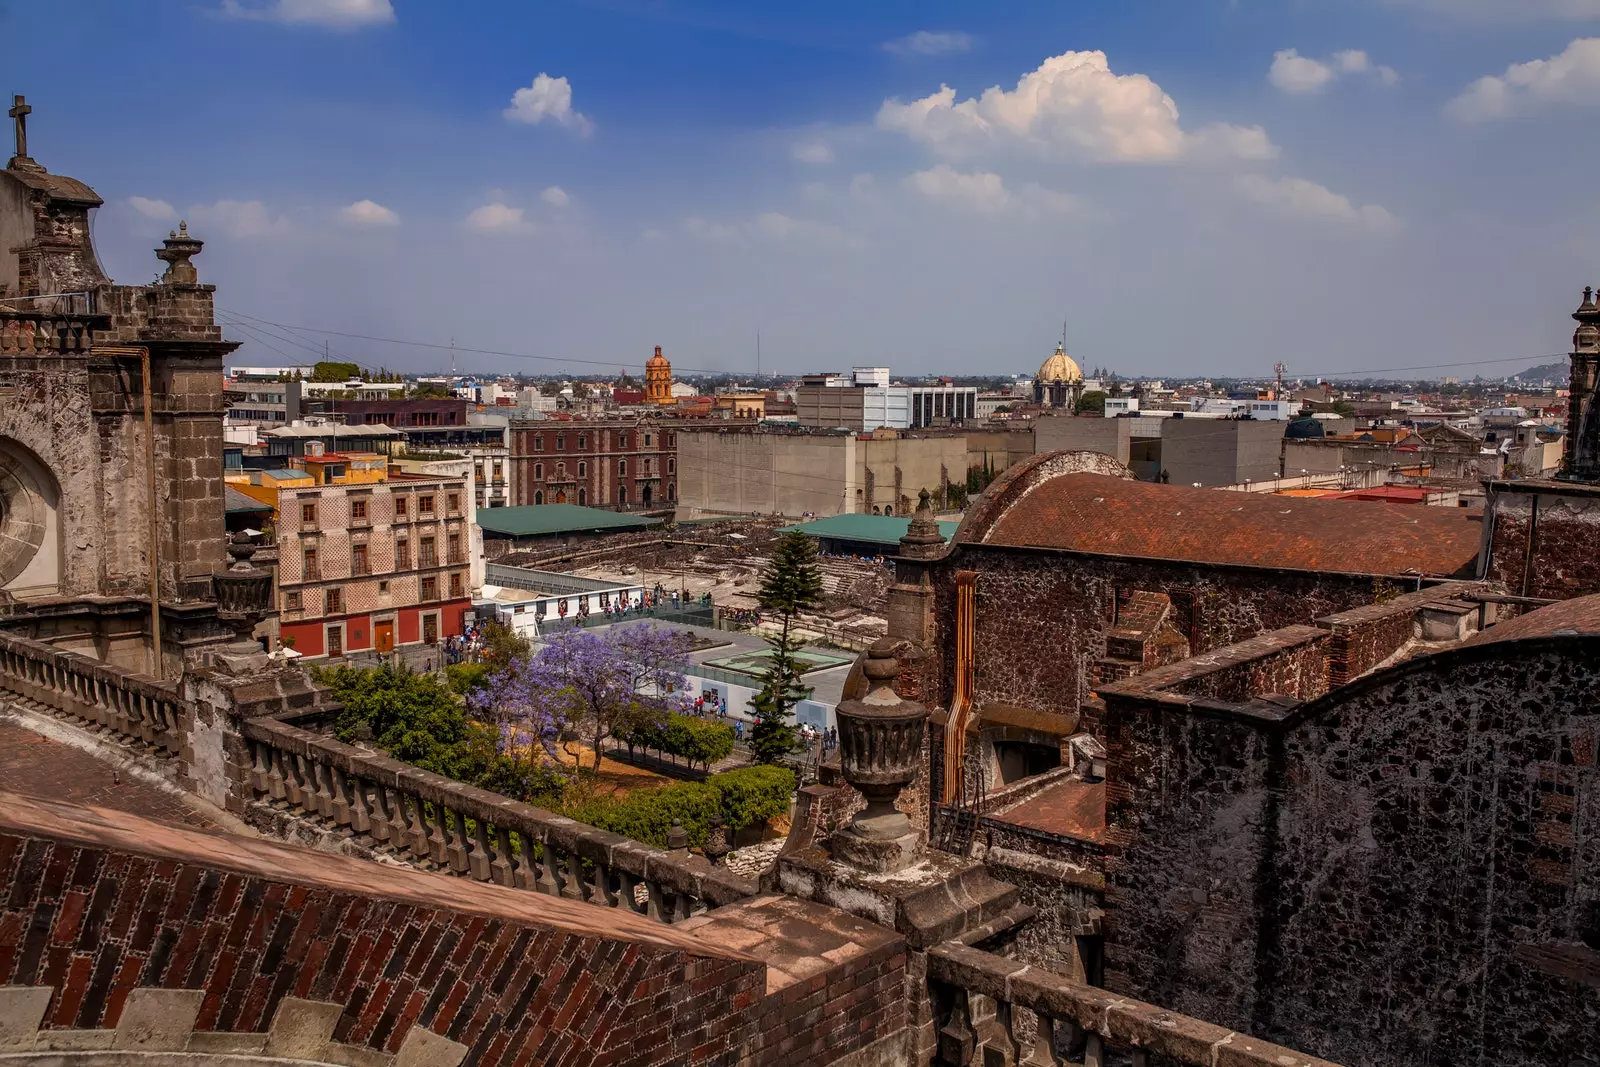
<point x="1059" y="368"/>
<point x="657" y="360"/>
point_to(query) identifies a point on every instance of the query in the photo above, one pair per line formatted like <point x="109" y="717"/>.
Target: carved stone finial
<point x="177" y="251"/>
<point x="923" y="537"/>
<point x="880" y="738"/>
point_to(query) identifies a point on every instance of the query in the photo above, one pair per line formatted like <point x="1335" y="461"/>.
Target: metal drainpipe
<point x="142" y="354"/>
<point x="1527" y="558"/>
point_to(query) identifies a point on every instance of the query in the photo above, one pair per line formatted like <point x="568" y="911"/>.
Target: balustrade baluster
<point x="295" y="781"/>
<point x="526" y="874"/>
<point x="457" y="850"/>
<point x="260" y="768"/>
<point x="1000" y="1046"/>
<point x="479" y="861"/>
<point x="1042" y="1051"/>
<point x="554" y="882"/>
<point x="438" y="822"/>
<point x="383" y="824"/>
<point x="630" y="893"/>
<point x="501" y="869"/>
<point x="321" y="794"/>
<point x="1094" y="1051"/>
<point x="280" y="775"/>
<point x="600" y="891"/>
<point x="957" y="1044"/>
<point x="1141" y="1058"/>
<point x="340" y="789"/>
<point x="360" y="808"/>
<point x="416" y="826"/>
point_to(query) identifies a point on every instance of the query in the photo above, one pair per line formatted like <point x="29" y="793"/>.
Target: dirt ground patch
<point x="614" y="779"/>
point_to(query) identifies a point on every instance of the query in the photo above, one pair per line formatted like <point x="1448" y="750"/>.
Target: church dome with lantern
<point x="1059" y="382"/>
<point x="658" y="379"/>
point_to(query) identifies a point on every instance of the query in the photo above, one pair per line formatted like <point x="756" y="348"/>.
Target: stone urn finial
<point x="880" y="742"/>
<point x="244" y="596"/>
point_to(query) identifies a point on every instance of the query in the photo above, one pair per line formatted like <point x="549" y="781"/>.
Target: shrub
<point x="752" y="795"/>
<point x="744" y="797"/>
<point x="463" y="678"/>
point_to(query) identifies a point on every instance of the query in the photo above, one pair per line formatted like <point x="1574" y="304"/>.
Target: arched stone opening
<point x="30" y="528"/>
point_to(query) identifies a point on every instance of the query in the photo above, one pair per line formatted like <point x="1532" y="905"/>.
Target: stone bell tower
<point x="1582" y="461"/>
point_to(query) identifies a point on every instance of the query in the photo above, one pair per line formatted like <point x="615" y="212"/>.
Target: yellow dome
<point x="1060" y="368"/>
<point x="657" y="360"/>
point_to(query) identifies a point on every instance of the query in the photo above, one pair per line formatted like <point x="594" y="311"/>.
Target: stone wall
<point x="1400" y="872"/>
<point x="1563" y="522"/>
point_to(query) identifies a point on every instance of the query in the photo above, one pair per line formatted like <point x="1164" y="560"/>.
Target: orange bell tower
<point x="658" y="379"/>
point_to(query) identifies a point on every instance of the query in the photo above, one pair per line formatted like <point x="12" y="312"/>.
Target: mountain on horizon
<point x="1557" y="372"/>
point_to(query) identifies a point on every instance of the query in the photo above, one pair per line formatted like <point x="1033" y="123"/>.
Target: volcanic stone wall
<point x="1402" y="872"/>
<point x="1565" y="530"/>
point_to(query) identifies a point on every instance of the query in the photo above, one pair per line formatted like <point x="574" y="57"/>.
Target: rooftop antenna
<point x="1063" y="335"/>
<point x="1280" y="368"/>
<point x="758" y="353"/>
<point x="452" y="357"/>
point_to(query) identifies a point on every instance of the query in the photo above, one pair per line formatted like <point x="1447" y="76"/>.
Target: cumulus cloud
<point x="368" y="213"/>
<point x="929" y="43"/>
<point x="547" y="98"/>
<point x="1295" y="73"/>
<point x="237" y="218"/>
<point x="812" y="152"/>
<point x="331" y="14"/>
<point x="1571" y="77"/>
<point x="555" y="196"/>
<point x="495" y="217"/>
<point x="1297" y="196"/>
<point x="159" y="210"/>
<point x="1072" y="104"/>
<point x="986" y="191"/>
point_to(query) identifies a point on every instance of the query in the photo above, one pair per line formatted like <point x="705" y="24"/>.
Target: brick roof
<point x="1111" y="516"/>
<point x="1578" y="616"/>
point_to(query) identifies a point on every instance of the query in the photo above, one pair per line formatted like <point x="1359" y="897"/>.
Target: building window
<point x="561" y="442"/>
<point x="622" y="468"/>
<point x="538" y="442"/>
<point x="425" y="418"/>
<point x="308" y="513"/>
<point x="497" y="473"/>
<point x="538" y="472"/>
<point x="452" y="544"/>
<point x="622" y="494"/>
<point x="425" y="504"/>
<point x="291" y="601"/>
<point x="647" y="440"/>
<point x="672" y="466"/>
<point x="583" y="469"/>
<point x="336" y="640"/>
<point x="358" y="510"/>
<point x="383" y="588"/>
<point x="538" y="497"/>
<point x="334" y="602"/>
<point x="583" y="442"/>
<point x="622" y="440"/>
<point x="402" y="555"/>
<point x="426" y="556"/>
<point x="430" y="589"/>
<point x="358" y="559"/>
<point x="399" y="507"/>
<point x="453" y="502"/>
<point x="309" y="561"/>
<point x="430" y="628"/>
<point x="456" y="589"/>
<point x="583" y="497"/>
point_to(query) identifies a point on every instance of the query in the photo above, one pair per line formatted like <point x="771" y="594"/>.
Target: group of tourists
<point x="464" y="647"/>
<point x="744" y="616"/>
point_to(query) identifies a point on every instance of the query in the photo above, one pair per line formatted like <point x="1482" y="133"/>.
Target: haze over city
<point x="1195" y="187"/>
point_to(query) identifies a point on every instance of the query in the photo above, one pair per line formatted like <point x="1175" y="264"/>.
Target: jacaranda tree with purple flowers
<point x="594" y="684"/>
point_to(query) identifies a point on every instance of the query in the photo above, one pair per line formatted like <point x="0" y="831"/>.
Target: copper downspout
<point x="955" y="733"/>
<point x="143" y="355"/>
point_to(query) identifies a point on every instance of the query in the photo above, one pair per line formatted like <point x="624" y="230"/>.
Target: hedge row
<point x="743" y="797"/>
<point x="689" y="737"/>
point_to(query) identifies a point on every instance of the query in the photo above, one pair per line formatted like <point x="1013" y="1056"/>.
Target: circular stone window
<point x="24" y="510"/>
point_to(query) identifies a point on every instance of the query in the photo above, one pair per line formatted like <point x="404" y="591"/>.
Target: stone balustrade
<point x="138" y="707"/>
<point x="991" y="1009"/>
<point x="39" y="333"/>
<point x="435" y="822"/>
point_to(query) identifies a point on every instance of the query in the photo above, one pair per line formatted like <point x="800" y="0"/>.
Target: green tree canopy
<point x="792" y="584"/>
<point x="331" y="371"/>
<point x="1093" y="402"/>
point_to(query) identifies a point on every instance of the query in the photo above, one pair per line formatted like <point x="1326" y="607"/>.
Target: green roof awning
<point x="883" y="530"/>
<point x="534" y="520"/>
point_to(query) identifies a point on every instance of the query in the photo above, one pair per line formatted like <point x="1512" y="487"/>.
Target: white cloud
<point x="983" y="190"/>
<point x="332" y="14"/>
<point x="812" y="152"/>
<point x="368" y="213"/>
<point x="1571" y="77"/>
<point x="1072" y="103"/>
<point x="159" y="210"/>
<point x="237" y="218"/>
<point x="986" y="191"/>
<point x="1297" y="196"/>
<point x="930" y="43"/>
<point x="1295" y="73"/>
<point x="547" y="98"/>
<point x="496" y="217"/>
<point x="555" y="196"/>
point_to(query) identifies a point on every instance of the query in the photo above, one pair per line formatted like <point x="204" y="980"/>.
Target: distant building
<point x="264" y="403"/>
<point x="370" y="561"/>
<point x="864" y="400"/>
<point x="1059" y="383"/>
<point x="611" y="463"/>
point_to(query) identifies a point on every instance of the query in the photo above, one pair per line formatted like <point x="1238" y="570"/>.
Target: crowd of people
<point x="464" y="647"/>
<point x="744" y="616"/>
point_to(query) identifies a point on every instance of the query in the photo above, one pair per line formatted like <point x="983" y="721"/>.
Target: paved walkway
<point x="37" y="765"/>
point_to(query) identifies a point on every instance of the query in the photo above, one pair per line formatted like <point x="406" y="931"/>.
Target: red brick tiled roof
<point x="1579" y="616"/>
<point x="1116" y="517"/>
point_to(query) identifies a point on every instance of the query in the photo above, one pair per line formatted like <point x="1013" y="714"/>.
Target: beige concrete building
<point x="743" y="472"/>
<point x="1083" y="433"/>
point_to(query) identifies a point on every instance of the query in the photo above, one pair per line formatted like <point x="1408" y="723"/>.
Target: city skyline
<point x="1199" y="189"/>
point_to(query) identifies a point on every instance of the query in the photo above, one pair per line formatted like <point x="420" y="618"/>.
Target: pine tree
<point x="792" y="584"/>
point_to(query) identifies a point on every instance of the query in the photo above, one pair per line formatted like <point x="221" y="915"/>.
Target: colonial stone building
<point x="110" y="431"/>
<point x="599" y="463"/>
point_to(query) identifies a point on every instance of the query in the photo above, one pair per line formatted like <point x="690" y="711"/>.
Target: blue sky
<point x="1193" y="186"/>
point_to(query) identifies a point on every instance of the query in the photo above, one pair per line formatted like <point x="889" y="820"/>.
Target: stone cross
<point x="19" y="115"/>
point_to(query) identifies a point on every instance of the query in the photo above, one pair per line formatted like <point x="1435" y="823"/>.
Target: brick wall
<point x="96" y="904"/>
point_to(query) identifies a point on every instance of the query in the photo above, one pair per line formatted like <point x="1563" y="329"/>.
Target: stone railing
<point x="426" y="819"/>
<point x="40" y="333"/>
<point x="997" y="1010"/>
<point x="138" y="707"/>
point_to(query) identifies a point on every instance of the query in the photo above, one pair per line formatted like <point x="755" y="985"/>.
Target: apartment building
<point x="376" y="564"/>
<point x="611" y="463"/>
